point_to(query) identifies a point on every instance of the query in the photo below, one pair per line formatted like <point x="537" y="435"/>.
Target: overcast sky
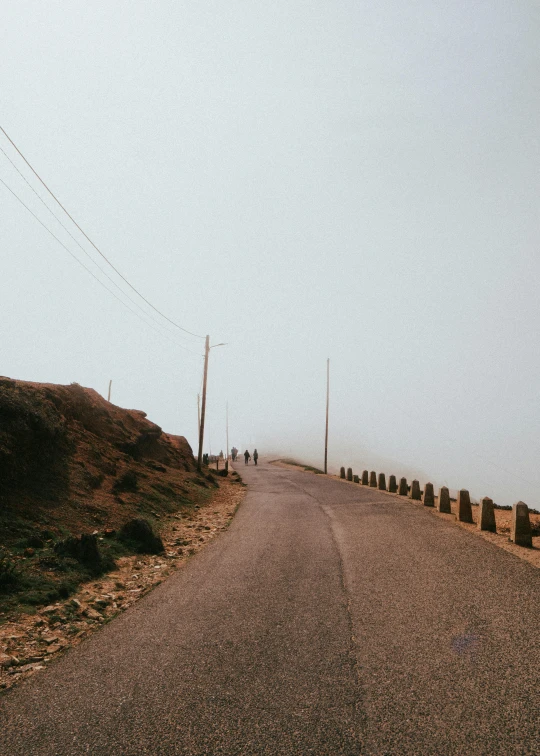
<point x="301" y="180"/>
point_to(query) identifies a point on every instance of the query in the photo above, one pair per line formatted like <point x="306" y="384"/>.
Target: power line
<point x="92" y="273"/>
<point x="68" y="232"/>
<point x="92" y="243"/>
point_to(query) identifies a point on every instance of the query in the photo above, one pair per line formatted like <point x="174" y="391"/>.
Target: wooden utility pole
<point x="109" y="397"/>
<point x="327" y="404"/>
<point x="203" y="409"/>
<point x="198" y="414"/>
<point x="227" y="426"/>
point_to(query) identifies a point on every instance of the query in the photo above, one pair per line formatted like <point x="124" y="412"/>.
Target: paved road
<point x="328" y="619"/>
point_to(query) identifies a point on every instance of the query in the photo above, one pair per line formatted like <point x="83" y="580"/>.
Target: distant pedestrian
<point x="255" y="456"/>
<point x="247" y="456"/>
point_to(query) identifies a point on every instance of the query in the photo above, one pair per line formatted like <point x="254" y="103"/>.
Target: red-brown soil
<point x="64" y="452"/>
<point x="71" y="463"/>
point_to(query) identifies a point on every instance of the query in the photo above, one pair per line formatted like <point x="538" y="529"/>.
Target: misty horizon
<point x="302" y="182"/>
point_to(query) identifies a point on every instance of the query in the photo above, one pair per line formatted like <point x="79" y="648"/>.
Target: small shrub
<point x="309" y="468"/>
<point x="35" y="598"/>
<point x="139" y="534"/>
<point x="85" y="550"/>
<point x="66" y="588"/>
<point x="164" y="490"/>
<point x="127" y="482"/>
<point x="35" y="542"/>
<point x="57" y="563"/>
<point x="9" y="574"/>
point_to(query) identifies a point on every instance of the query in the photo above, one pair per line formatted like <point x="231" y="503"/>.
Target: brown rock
<point x="50" y="610"/>
<point x="486" y="517"/>
<point x="5" y="661"/>
<point x="91" y="613"/>
<point x="520" y="531"/>
<point x="101" y="603"/>
<point x="464" y="510"/>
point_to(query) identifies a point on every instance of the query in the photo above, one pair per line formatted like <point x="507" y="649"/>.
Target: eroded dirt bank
<point x="72" y="465"/>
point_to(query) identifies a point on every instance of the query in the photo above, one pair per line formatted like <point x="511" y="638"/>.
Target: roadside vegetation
<point x="84" y="485"/>
<point x="295" y="463"/>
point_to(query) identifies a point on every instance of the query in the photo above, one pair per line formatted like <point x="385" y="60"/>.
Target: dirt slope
<point x="70" y="462"/>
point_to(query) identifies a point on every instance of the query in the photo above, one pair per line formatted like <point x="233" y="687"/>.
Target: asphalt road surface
<point x="329" y="619"/>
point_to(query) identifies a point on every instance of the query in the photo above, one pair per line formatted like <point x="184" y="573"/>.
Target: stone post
<point x="365" y="478"/>
<point x="443" y="503"/>
<point x="464" y="511"/>
<point x="373" y="479"/>
<point x="342" y="473"/>
<point x="382" y="482"/>
<point x="392" y="485"/>
<point x="415" y="490"/>
<point x="403" y="487"/>
<point x="349" y="473"/>
<point x="356" y="479"/>
<point x="520" y="531"/>
<point x="429" y="496"/>
<point x="486" y="516"/>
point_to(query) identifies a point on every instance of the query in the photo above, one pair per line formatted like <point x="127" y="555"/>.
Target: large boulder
<point x="139" y="534"/>
<point x="86" y="551"/>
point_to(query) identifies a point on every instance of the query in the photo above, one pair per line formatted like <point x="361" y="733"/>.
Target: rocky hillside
<point x="73" y="464"/>
<point x="69" y="460"/>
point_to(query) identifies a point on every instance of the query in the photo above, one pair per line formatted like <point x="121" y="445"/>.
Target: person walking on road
<point x="255" y="456"/>
<point x="247" y="456"/>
